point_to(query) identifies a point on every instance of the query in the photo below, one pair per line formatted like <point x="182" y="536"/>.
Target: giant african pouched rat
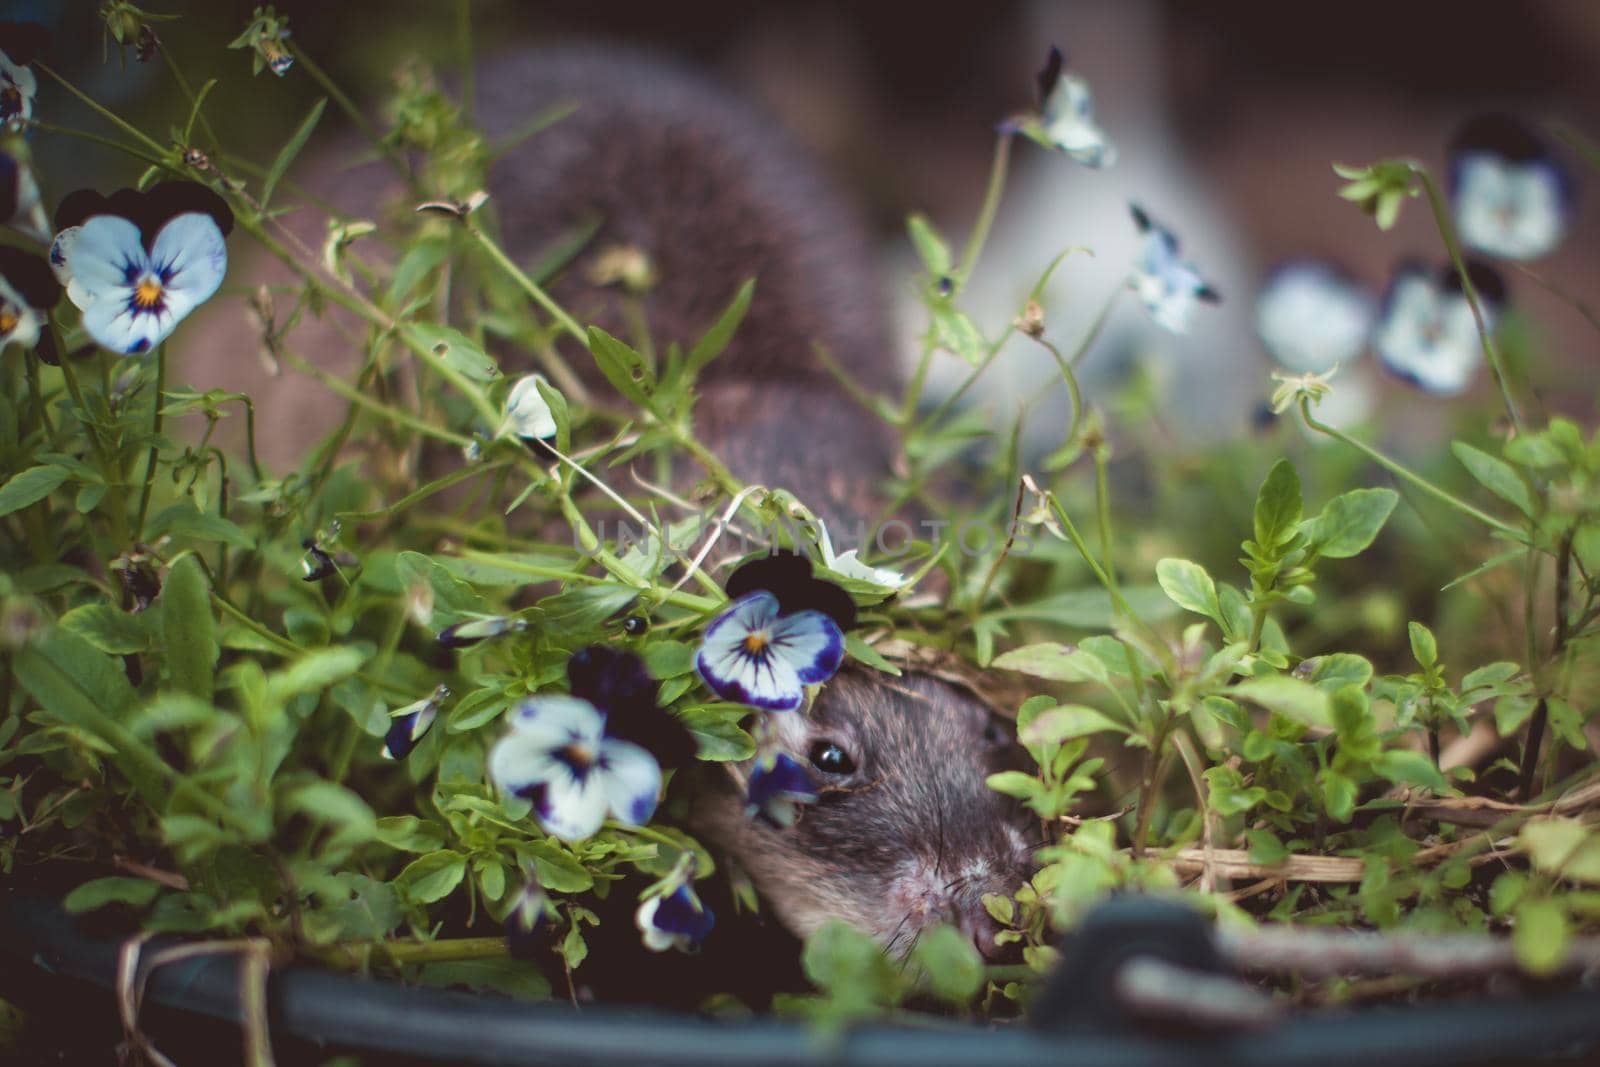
<point x="906" y="833"/>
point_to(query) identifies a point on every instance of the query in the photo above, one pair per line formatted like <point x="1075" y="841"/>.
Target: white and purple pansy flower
<point x="752" y="654"/>
<point x="137" y="263"/>
<point x="779" y="784"/>
<point x="1510" y="195"/>
<point x="1065" y="119"/>
<point x="848" y="564"/>
<point x="1169" y="287"/>
<point x="1312" y="316"/>
<point x="618" y="682"/>
<point x="20" y="205"/>
<point x="528" y="414"/>
<point x="1426" y="332"/>
<point x="20" y="43"/>
<point x="676" y="919"/>
<point x="411" y="723"/>
<point x="557" y="754"/>
<point x="28" y="290"/>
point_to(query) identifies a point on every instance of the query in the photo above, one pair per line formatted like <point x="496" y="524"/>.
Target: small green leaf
<point x="1424" y="649"/>
<point x="30" y="487"/>
<point x="1057" y="662"/>
<point x="1015" y="784"/>
<point x="716" y="339"/>
<point x="1350" y="522"/>
<point x="1065" y="723"/>
<point x="1290" y="697"/>
<point x="1540" y="934"/>
<point x="585" y="607"/>
<point x="291" y="149"/>
<point x="188" y="629"/>
<point x="1338" y="796"/>
<point x="135" y="892"/>
<point x="624" y="368"/>
<point x="110" y="629"/>
<point x="1190" y="587"/>
<point x="457" y="351"/>
<point x="1495" y="475"/>
<point x="931" y="248"/>
<point x="407" y="833"/>
<point x="182" y="520"/>
<point x="950" y="964"/>
<point x="1405" y="767"/>
<point x="1278" y="506"/>
<point x="432" y="877"/>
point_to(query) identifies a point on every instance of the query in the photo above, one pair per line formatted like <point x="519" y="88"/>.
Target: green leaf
<point x="1278" y="506"/>
<point x="1015" y="784"/>
<point x="1339" y="669"/>
<point x="407" y="833"/>
<point x="951" y="967"/>
<point x="458" y="351"/>
<point x="1511" y="711"/>
<point x="1350" y="522"/>
<point x="931" y="248"/>
<point x="1338" y="796"/>
<point x="188" y="629"/>
<point x="717" y="731"/>
<point x="291" y="149"/>
<point x="182" y="520"/>
<point x="1495" y="475"/>
<point x="109" y="628"/>
<point x="432" y="877"/>
<point x="586" y="607"/>
<point x="716" y="339"/>
<point x="1405" y="767"/>
<point x="1424" y="649"/>
<point x="1290" y="697"/>
<point x="135" y="892"/>
<point x="331" y="803"/>
<point x="1189" y="586"/>
<point x="1059" y="663"/>
<point x="1540" y="934"/>
<point x="1550" y="843"/>
<point x="316" y="671"/>
<point x="1065" y="723"/>
<point x="30" y="487"/>
<point x="557" y="871"/>
<point x="849" y="965"/>
<point x="957" y="334"/>
<point x="624" y="368"/>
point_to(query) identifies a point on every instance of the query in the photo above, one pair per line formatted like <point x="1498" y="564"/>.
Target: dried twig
<point x="1331" y="952"/>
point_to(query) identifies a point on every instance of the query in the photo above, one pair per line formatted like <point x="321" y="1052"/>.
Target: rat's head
<point x="906" y="833"/>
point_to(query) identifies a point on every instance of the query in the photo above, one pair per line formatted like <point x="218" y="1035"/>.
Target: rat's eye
<point x="829" y="758"/>
<point x="994" y="733"/>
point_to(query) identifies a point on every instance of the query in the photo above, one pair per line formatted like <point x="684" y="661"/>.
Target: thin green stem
<point x="110" y="116"/>
<point x="353" y="112"/>
<point x="188" y="94"/>
<point x="1416" y="480"/>
<point x="527" y="284"/>
<point x="155" y="445"/>
<point x="31" y="362"/>
<point x="1102" y="496"/>
<point x="377" y="407"/>
<point x="95" y="138"/>
<point x="418" y="495"/>
<point x="991" y="205"/>
<point x="1452" y="245"/>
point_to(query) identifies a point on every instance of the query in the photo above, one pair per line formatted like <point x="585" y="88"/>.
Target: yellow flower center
<point x="9" y="317"/>
<point x="577" y="756"/>
<point x="756" y="643"/>
<point x="147" y="294"/>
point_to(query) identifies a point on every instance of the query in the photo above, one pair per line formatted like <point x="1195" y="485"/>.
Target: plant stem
<point x="1452" y="245"/>
<point x="1404" y="474"/>
<point x="1541" y="713"/>
<point x="991" y="204"/>
<point x="348" y="106"/>
<point x="155" y="446"/>
<point x="160" y="150"/>
<point x="527" y="284"/>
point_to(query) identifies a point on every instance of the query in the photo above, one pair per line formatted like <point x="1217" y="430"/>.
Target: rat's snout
<point x="974" y="920"/>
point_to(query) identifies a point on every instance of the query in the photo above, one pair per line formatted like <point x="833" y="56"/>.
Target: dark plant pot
<point x="62" y="977"/>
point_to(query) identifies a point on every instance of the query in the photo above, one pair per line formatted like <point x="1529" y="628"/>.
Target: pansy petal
<point x="632" y="781"/>
<point x="1312" y="317"/>
<point x="19" y="322"/>
<point x="767" y="682"/>
<point x="571" y="806"/>
<point x="111" y="320"/>
<point x="556" y="719"/>
<point x="527" y="413"/>
<point x="518" y="763"/>
<point x="191" y="257"/>
<point x="104" y="258"/>
<point x="811" y="643"/>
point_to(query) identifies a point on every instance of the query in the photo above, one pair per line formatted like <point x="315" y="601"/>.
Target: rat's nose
<point x="974" y="920"/>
